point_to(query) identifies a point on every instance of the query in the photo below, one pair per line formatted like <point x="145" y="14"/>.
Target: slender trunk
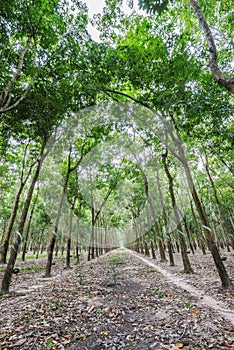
<point x="54" y="233"/>
<point x="225" y="279"/>
<point x="220" y="77"/>
<point x="188" y="234"/>
<point x="50" y="254"/>
<point x="7" y="234"/>
<point x="223" y="220"/>
<point x="152" y="249"/>
<point x="77" y="238"/>
<point x="28" y="227"/>
<point x="185" y="259"/>
<point x="199" y="234"/>
<point x="68" y="259"/>
<point x="91" y="252"/>
<point x="156" y="227"/>
<point x="40" y="246"/>
<point x="147" y="253"/>
<point x="169" y="244"/>
<point x="18" y="238"/>
<point x="92" y="234"/>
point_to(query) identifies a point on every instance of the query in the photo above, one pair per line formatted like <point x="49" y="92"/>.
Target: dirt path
<point x="204" y="300"/>
<point x="118" y="301"/>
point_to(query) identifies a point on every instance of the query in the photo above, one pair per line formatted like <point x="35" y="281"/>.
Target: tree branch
<point x="14" y="105"/>
<point x="224" y="81"/>
<point x="4" y="95"/>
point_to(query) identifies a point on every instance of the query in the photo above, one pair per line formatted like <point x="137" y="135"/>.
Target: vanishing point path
<point x="121" y="300"/>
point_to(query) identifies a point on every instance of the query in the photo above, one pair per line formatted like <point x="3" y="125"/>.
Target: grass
<point x="33" y="256"/>
<point x="32" y="268"/>
<point x="28" y="268"/>
<point x="116" y="261"/>
<point x="156" y="292"/>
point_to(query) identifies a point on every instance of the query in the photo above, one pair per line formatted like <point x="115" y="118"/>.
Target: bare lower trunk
<point x="50" y="256"/>
<point x="28" y="228"/>
<point x="19" y="234"/>
<point x="152" y="249"/>
<point x="183" y="247"/>
<point x="7" y="235"/>
<point x="170" y="252"/>
<point x="68" y="259"/>
<point x="155" y="222"/>
<point x="225" y="279"/>
<point x="199" y="235"/>
<point x="147" y="253"/>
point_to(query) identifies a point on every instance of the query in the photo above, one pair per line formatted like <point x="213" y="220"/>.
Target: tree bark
<point x="169" y="245"/>
<point x="183" y="247"/>
<point x="225" y="279"/>
<point x="68" y="258"/>
<point x="28" y="228"/>
<point x="14" y="250"/>
<point x="224" y="81"/>
<point x="155" y="223"/>
<point x="7" y="234"/>
<point x="223" y="221"/>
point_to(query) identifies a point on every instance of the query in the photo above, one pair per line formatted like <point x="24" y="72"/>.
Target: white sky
<point x="96" y="6"/>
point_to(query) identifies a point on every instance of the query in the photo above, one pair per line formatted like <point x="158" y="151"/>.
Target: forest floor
<point x="121" y="300"/>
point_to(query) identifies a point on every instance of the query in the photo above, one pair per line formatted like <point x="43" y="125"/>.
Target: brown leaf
<point x="227" y="345"/>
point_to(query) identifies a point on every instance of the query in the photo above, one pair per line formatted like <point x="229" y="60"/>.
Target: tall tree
<point x="218" y="73"/>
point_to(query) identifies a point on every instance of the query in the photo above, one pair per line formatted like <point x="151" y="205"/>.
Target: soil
<point x="121" y="300"/>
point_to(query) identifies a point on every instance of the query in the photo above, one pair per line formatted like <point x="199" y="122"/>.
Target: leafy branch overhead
<point x="158" y="6"/>
<point x="122" y="140"/>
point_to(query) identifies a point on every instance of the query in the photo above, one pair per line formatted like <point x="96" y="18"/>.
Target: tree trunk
<point x="152" y="249"/>
<point x="199" y="234"/>
<point x="50" y="255"/>
<point x="155" y="223"/>
<point x="185" y="259"/>
<point x="223" y="221"/>
<point x="225" y="279"/>
<point x="40" y="245"/>
<point x="18" y="238"/>
<point x="55" y="231"/>
<point x="7" y="234"/>
<point x="68" y="259"/>
<point x="223" y="80"/>
<point x="28" y="227"/>
<point x="169" y="245"/>
<point x="147" y="253"/>
<point x="188" y="234"/>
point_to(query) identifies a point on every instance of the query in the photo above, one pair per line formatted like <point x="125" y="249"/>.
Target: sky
<point x="96" y="6"/>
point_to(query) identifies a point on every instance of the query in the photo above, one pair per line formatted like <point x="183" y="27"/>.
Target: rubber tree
<point x="223" y="220"/>
<point x="153" y="213"/>
<point x="22" y="220"/>
<point x="183" y="247"/>
<point x="26" y="238"/>
<point x="165" y="220"/>
<point x="158" y="6"/>
<point x="78" y="142"/>
<point x="24" y="176"/>
<point x="180" y="155"/>
<point x="107" y="187"/>
<point x="71" y="167"/>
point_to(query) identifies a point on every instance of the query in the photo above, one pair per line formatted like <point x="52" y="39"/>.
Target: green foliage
<point x="115" y="260"/>
<point x="153" y="6"/>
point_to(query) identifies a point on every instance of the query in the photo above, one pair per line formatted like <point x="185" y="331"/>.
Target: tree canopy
<point x="107" y="132"/>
